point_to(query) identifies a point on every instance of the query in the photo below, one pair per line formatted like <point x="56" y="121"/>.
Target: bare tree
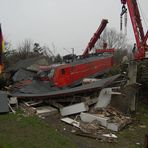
<point x="24" y="49"/>
<point x="115" y="40"/>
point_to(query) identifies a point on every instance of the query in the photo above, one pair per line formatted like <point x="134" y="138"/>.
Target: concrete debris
<point x="92" y="127"/>
<point x="87" y="117"/>
<point x="46" y="111"/>
<point x="73" y="109"/>
<point x="95" y="124"/>
<point x="98" y="125"/>
<point x="71" y="121"/>
<point x="91" y="130"/>
<point x="38" y="108"/>
<point x="105" y="97"/>
<point x="13" y="102"/>
<point x="109" y="118"/>
<point x="110" y="135"/>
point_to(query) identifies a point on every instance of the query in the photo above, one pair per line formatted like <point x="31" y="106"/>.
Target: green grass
<point x="135" y="134"/>
<point x="17" y="131"/>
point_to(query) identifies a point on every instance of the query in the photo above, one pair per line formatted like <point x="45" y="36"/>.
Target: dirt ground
<point x="130" y="137"/>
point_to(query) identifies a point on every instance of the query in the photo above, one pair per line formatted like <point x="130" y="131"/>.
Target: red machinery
<point x="141" y="38"/>
<point x="95" y="37"/>
<point x="86" y="65"/>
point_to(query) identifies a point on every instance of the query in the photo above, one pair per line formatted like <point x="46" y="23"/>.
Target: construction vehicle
<point x="88" y="65"/>
<point x="76" y="68"/>
<point x="140" y="51"/>
<point x="140" y="36"/>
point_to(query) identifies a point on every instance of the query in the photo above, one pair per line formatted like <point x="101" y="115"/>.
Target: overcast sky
<point x="66" y="23"/>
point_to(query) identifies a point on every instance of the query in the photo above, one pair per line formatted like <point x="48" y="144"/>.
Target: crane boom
<point x="95" y="37"/>
<point x="140" y="37"/>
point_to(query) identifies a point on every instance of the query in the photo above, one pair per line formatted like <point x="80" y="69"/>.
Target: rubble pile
<point x="116" y="118"/>
<point x="100" y="124"/>
<point x="91" y="116"/>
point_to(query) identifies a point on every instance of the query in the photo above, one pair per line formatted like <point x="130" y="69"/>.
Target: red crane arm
<point x="95" y="37"/>
<point x="137" y="27"/>
<point x="136" y="21"/>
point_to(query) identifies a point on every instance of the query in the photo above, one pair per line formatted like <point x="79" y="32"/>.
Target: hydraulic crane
<point x="140" y="36"/>
<point x="95" y="37"/>
<point x="141" y="42"/>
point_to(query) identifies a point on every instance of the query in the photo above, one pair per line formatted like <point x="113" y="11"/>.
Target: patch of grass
<point x="135" y="133"/>
<point x="18" y="131"/>
<point x="142" y="114"/>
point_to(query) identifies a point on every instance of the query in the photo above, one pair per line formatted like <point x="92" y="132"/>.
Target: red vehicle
<point x="73" y="73"/>
<point x="86" y="65"/>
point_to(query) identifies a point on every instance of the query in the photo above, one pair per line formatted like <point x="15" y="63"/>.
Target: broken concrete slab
<point x="4" y="107"/>
<point x="73" y="109"/>
<point x="110" y="135"/>
<point x="105" y="97"/>
<point x="109" y="118"/>
<point x="13" y="101"/>
<point x="46" y="111"/>
<point x="113" y="126"/>
<point x="86" y="117"/>
<point x="71" y="121"/>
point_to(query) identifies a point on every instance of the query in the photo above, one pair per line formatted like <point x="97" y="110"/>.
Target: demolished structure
<point x="86" y="105"/>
